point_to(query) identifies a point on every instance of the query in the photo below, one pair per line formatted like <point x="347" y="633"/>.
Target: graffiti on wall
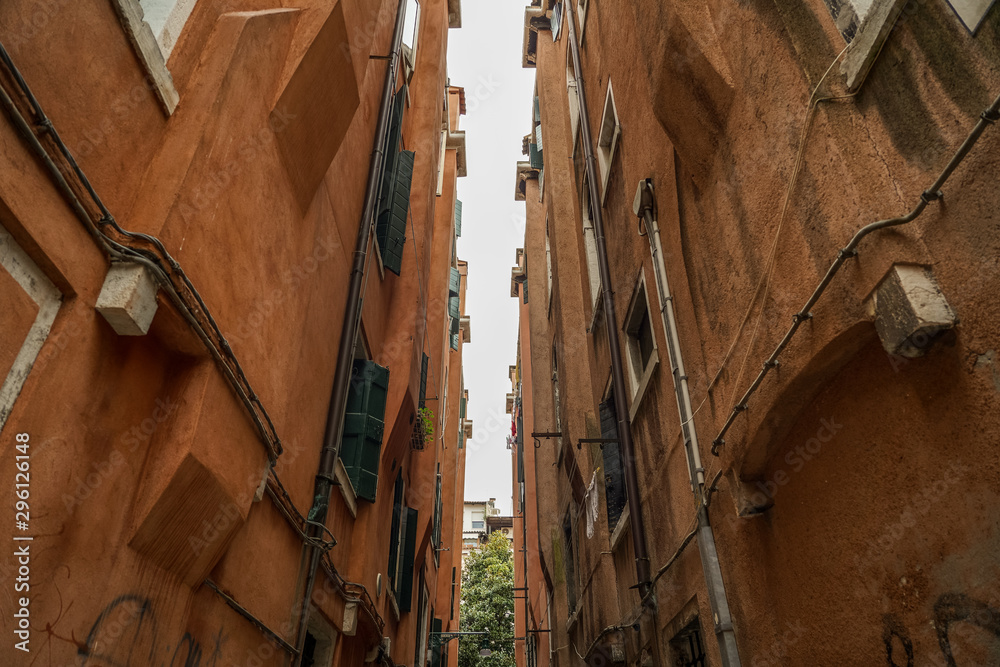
<point x="125" y="634"/>
<point x="964" y="626"/>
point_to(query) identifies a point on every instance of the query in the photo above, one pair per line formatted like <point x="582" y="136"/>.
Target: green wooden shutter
<point x="535" y="157"/>
<point x="437" y="514"/>
<point x="397" y="509"/>
<point x="454" y="341"/>
<point x="436" y="646"/>
<point x="390" y="229"/>
<point x="458" y="217"/>
<point x="364" y="425"/>
<point x="453" y="570"/>
<point x="454" y="309"/>
<point x="454" y="326"/>
<point x="393" y="138"/>
<point x="423" y="380"/>
<point x="405" y="585"/>
<point x="538" y="137"/>
<point x="454" y="283"/>
<point x="614" y="479"/>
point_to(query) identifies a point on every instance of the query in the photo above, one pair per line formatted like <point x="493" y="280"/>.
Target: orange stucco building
<point x="758" y="325"/>
<point x="232" y="332"/>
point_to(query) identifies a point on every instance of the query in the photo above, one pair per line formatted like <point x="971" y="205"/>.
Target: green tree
<point x="488" y="604"/>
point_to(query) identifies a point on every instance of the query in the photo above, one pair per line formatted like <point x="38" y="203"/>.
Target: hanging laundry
<point x="590" y="504"/>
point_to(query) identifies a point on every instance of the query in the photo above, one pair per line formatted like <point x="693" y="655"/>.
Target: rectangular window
<point x="436" y="530"/>
<point x="166" y="18"/>
<point x="423" y="380"/>
<point x="363" y="426"/>
<point x="590" y="244"/>
<point x="478" y="525"/>
<point x="570" y="562"/>
<point x="607" y="139"/>
<point x="614" y="478"/>
<point x="640" y="345"/>
<point x="394" y="189"/>
<point x="686" y="648"/>
<point x="404" y="585"/>
<point x="411" y="29"/>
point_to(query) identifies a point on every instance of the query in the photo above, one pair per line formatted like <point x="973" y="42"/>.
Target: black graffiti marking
<point x="116" y="620"/>
<point x="893" y="627"/>
<point x="952" y="607"/>
<point x="125" y="635"/>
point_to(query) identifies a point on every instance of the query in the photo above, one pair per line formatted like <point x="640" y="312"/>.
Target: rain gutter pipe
<point x="325" y="479"/>
<point x="988" y="117"/>
<point x="611" y="324"/>
<point x="644" y="207"/>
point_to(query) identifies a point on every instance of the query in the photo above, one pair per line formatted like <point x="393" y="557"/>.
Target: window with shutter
<point x="404" y="590"/>
<point x="454" y="284"/>
<point x="436" y="533"/>
<point x="614" y="480"/>
<point x="454" y="309"/>
<point x="436" y="646"/>
<point x="454" y="326"/>
<point x="390" y="228"/>
<point x="364" y="425"/>
<point x="394" y="533"/>
<point x="423" y="380"/>
<point x="458" y="217"/>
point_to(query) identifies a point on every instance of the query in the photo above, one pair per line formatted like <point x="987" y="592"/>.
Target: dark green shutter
<point x="454" y="327"/>
<point x="397" y="509"/>
<point x="437" y="514"/>
<point x="452" y="593"/>
<point x="454" y="342"/>
<point x="458" y="217"/>
<point x="423" y="380"/>
<point x="535" y="156"/>
<point x="364" y="425"/>
<point x="454" y="283"/>
<point x="391" y="226"/>
<point x="454" y="308"/>
<point x="392" y="140"/>
<point x="436" y="645"/>
<point x="614" y="480"/>
<point x="404" y="588"/>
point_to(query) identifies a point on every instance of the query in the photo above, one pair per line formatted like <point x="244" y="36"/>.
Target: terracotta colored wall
<point x="255" y="185"/>
<point x="870" y="541"/>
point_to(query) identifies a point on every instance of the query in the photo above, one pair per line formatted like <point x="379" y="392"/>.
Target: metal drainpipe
<point x="723" y="621"/>
<point x="611" y="324"/>
<point x="348" y="334"/>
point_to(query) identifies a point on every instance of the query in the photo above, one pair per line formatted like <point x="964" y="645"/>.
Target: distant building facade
<point x="474" y="527"/>
<point x="185" y="189"/>
<point x="742" y="436"/>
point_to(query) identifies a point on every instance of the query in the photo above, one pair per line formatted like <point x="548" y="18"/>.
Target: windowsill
<point x="654" y="360"/>
<point x="620" y="528"/>
<point x="148" y="50"/>
<point x="391" y="594"/>
<point x="346" y="488"/>
<point x="868" y="41"/>
<point x="596" y="310"/>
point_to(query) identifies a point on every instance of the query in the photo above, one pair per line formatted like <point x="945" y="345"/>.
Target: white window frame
<point x="610" y="130"/>
<point x="153" y="52"/>
<point x="638" y="374"/>
<point x="326" y="639"/>
<point x="590" y="244"/>
<point x="581" y="12"/>
<point x="574" y="98"/>
<point x="410" y="41"/>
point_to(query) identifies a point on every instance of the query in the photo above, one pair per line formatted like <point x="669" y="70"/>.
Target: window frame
<point x="609" y="132"/>
<point x="147" y="47"/>
<point x="640" y="377"/>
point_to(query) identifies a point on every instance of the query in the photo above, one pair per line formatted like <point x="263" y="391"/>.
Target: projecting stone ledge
<point x="910" y="310"/>
<point x="128" y="299"/>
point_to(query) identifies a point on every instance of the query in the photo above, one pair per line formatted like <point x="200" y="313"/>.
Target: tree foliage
<point x="488" y="604"/>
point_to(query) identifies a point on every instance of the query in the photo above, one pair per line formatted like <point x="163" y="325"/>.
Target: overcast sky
<point x="484" y="57"/>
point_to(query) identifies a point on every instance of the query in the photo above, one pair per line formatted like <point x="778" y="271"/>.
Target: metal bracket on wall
<point x="546" y="435"/>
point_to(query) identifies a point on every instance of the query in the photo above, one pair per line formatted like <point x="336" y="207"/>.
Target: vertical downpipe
<point x="722" y="619"/>
<point x="348" y="335"/>
<point x="611" y="324"/>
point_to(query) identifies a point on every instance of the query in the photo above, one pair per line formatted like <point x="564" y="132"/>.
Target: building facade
<point x="758" y="428"/>
<point x="475" y="514"/>
<point x="233" y="332"/>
